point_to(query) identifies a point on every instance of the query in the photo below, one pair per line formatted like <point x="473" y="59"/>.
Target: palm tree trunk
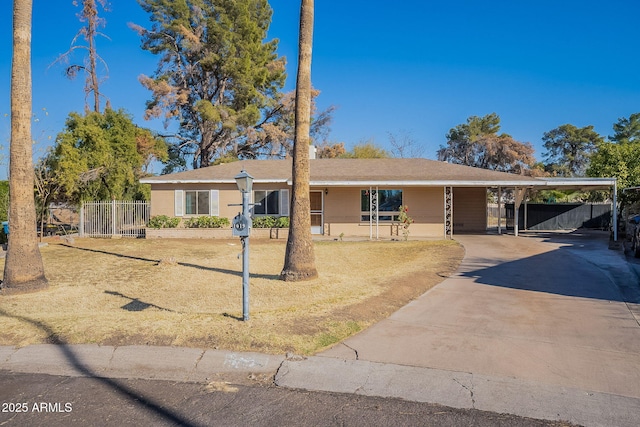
<point x="299" y="261"/>
<point x="23" y="268"/>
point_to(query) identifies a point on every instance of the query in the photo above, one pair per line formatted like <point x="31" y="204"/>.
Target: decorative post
<point x="242" y="227"/>
<point x="448" y="212"/>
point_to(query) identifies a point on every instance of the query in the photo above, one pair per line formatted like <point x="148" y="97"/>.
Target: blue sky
<point x="413" y="68"/>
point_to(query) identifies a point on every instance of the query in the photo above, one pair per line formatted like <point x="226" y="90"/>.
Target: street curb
<point x="139" y="362"/>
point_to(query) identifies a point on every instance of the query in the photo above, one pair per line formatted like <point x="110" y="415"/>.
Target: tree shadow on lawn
<point x="133" y="397"/>
<point x="135" y="304"/>
<point x="184" y="264"/>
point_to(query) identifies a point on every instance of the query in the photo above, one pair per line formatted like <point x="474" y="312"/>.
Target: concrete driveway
<point x="541" y="325"/>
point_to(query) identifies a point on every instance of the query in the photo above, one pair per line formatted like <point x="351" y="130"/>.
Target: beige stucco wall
<point x="342" y="213"/>
<point x="342" y="208"/>
<point x="469" y="210"/>
<point x="163" y="197"/>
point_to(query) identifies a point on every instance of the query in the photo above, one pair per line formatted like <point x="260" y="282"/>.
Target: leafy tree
<point x="103" y="156"/>
<point x="366" y="150"/>
<point x="621" y="161"/>
<point x="299" y="260"/>
<point x="215" y="74"/>
<point x="620" y="157"/>
<point x="327" y="150"/>
<point x="88" y="15"/>
<point x="23" y="267"/>
<point x="274" y="136"/>
<point x="4" y="200"/>
<point x="478" y="144"/>
<point x="569" y="148"/>
<point x="627" y="130"/>
<point x="363" y="150"/>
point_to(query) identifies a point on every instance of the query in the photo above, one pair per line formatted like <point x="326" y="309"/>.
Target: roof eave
<point x="423" y="183"/>
<point x="208" y="181"/>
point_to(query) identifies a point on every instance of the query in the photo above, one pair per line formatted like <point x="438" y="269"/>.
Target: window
<point x="196" y="202"/>
<point x="272" y="202"/>
<point x="389" y="202"/>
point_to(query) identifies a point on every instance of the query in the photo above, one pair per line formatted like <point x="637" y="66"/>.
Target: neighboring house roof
<point x="350" y="172"/>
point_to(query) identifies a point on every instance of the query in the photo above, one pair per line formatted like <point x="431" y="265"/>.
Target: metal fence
<point x="115" y="218"/>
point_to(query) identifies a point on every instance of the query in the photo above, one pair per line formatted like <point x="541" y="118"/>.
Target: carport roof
<point x="584" y="184"/>
<point x="362" y="172"/>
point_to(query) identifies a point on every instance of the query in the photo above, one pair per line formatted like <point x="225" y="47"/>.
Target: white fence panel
<point x="115" y="218"/>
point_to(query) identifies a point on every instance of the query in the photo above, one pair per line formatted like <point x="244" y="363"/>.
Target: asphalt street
<point x="50" y="400"/>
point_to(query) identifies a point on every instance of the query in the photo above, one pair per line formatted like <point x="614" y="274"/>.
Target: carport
<point x="578" y="184"/>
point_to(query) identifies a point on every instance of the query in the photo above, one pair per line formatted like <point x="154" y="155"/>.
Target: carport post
<point x="519" y="196"/>
<point x="499" y="210"/>
<point x="615" y="211"/>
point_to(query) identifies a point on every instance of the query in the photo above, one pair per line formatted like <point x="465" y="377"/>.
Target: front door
<point x="316" y="212"/>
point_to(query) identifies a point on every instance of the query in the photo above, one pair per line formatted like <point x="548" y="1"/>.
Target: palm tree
<point x="299" y="260"/>
<point x="23" y="268"/>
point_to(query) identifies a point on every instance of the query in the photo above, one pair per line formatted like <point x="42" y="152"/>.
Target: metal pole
<point x="499" y="210"/>
<point x="245" y="260"/>
<point x="113" y="218"/>
<point x="81" y="225"/>
<point x="615" y="211"/>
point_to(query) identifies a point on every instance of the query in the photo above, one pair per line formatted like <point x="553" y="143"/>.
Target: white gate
<point x="115" y="218"/>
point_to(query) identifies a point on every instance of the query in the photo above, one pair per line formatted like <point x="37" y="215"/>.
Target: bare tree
<point x="404" y="146"/>
<point x="299" y="261"/>
<point x="89" y="14"/>
<point x="47" y="187"/>
<point x="23" y="268"/>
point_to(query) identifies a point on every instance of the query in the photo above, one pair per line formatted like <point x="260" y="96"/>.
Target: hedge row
<point x="164" y="221"/>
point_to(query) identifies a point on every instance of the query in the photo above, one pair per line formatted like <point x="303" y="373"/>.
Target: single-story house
<point x="355" y="197"/>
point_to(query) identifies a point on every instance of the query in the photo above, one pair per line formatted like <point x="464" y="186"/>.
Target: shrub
<point x="271" y="222"/>
<point x="264" y="222"/>
<point x="405" y="221"/>
<point x="282" y="222"/>
<point x="163" y="221"/>
<point x="207" y="222"/>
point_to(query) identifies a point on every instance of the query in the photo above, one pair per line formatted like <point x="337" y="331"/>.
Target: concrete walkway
<point x="534" y="326"/>
<point x="543" y="326"/>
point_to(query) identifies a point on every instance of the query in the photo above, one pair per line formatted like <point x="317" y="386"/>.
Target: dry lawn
<point x="189" y="293"/>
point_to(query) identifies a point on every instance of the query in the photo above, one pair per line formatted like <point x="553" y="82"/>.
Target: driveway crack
<point x="470" y="390"/>
<point x="352" y="349"/>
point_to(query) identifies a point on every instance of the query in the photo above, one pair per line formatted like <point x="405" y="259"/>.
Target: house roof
<point x="349" y="172"/>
